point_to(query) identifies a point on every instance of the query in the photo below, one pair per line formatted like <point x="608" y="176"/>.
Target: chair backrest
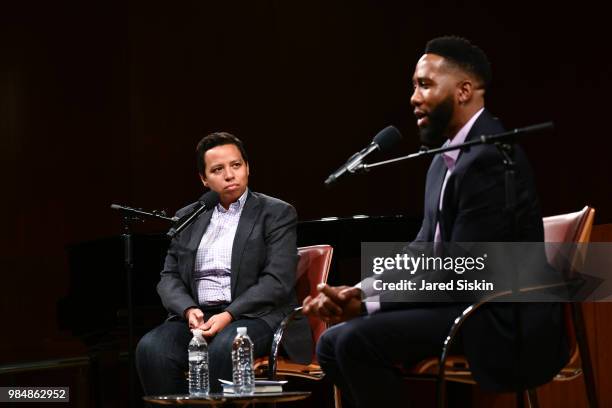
<point x="313" y="268"/>
<point x="573" y="227"/>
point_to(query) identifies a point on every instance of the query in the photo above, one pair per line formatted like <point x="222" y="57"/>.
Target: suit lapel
<point x="195" y="236"/>
<point x="197" y="230"/>
<point x="245" y="226"/>
<point x="484" y="124"/>
<point x="442" y="217"/>
<point x="438" y="171"/>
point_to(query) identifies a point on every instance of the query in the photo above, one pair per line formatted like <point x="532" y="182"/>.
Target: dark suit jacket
<point x="474" y="210"/>
<point x="264" y="262"/>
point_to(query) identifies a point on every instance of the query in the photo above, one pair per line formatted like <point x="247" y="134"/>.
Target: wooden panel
<point x="601" y="233"/>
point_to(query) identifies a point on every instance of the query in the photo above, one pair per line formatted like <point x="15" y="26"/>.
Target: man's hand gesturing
<point x="334" y="304"/>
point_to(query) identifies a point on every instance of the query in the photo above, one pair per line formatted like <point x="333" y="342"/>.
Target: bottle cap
<point x="241" y="331"/>
<point x="197" y="333"/>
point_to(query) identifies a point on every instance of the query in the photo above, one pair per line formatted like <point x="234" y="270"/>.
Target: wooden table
<point x="227" y="399"/>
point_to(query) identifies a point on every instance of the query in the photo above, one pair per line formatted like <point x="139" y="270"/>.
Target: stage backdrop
<point x="104" y="101"/>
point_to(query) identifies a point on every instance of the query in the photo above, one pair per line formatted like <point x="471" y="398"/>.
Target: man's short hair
<point x="217" y="139"/>
<point x="463" y="54"/>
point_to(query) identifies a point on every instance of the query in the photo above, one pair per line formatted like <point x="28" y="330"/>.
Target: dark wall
<point x="104" y="102"/>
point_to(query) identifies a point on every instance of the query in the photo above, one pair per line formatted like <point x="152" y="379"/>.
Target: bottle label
<point x="196" y="356"/>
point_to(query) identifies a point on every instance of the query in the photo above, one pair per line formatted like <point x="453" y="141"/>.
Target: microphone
<point x="383" y="141"/>
<point x="207" y="201"/>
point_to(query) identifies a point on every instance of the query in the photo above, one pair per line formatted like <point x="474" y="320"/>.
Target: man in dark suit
<point x="464" y="202"/>
<point x="234" y="266"/>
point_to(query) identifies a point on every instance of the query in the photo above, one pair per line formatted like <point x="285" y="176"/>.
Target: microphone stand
<point x="497" y="139"/>
<point x="504" y="144"/>
<point x="187" y="221"/>
<point x="130" y="215"/>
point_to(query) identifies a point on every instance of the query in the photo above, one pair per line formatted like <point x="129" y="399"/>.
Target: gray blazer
<point x="264" y="262"/>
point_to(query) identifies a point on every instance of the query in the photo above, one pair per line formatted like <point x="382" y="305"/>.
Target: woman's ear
<point x="203" y="180"/>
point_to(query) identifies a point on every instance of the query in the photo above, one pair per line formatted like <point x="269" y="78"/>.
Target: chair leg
<point x="585" y="355"/>
<point x="532" y="398"/>
<point x="337" y="397"/>
<point x="440" y="393"/>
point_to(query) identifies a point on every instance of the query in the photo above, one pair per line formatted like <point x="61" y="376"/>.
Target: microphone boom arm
<point x="175" y="230"/>
<point x="499" y="138"/>
<point x="137" y="213"/>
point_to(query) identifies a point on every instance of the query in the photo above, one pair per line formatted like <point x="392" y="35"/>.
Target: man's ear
<point x="203" y="180"/>
<point x="465" y="91"/>
<point x="248" y="170"/>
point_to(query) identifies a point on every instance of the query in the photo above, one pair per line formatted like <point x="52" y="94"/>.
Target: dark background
<point x="103" y="102"/>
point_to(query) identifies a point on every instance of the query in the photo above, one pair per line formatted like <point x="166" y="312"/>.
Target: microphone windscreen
<point x="209" y="199"/>
<point x="387" y="138"/>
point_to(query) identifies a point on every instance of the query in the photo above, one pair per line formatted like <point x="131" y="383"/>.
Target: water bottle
<point x="198" y="364"/>
<point x="242" y="363"/>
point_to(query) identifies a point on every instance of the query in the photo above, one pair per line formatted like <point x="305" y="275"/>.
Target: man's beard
<point x="433" y="135"/>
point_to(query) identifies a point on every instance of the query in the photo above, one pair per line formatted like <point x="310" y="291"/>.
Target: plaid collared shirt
<point x="212" y="272"/>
